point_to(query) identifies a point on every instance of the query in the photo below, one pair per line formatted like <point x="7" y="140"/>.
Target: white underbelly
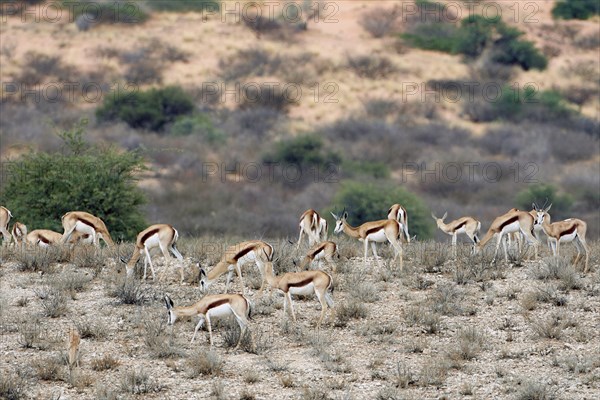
<point x="513" y="227"/>
<point x="378" y="236"/>
<point x="303" y="290"/>
<point x="568" y="238"/>
<point x="152" y="241"/>
<point x="462" y="229"/>
<point x="249" y="257"/>
<point x="223" y="310"/>
<point x="84" y="228"/>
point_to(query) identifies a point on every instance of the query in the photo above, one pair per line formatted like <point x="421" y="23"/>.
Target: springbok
<point x="399" y="213"/>
<point x="85" y="223"/>
<point x="372" y="232"/>
<point x="569" y="230"/>
<point x="467" y="225"/>
<point x="512" y="221"/>
<point x="302" y="283"/>
<point x="213" y="306"/>
<point x="162" y="236"/>
<point x="324" y="250"/>
<point x="313" y="226"/>
<point x="235" y="256"/>
<point x="5" y="216"/>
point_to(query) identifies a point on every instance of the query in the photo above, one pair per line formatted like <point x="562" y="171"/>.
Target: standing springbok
<point x="164" y="237"/>
<point x="313" y="226"/>
<point x="372" y="232"/>
<point x="569" y="230"/>
<point x="5" y="217"/>
<point x="213" y="306"/>
<point x="324" y="250"/>
<point x="302" y="283"/>
<point x="86" y="223"/>
<point x="467" y="225"/>
<point x="399" y="213"/>
<point x="512" y="221"/>
<point x="235" y="256"/>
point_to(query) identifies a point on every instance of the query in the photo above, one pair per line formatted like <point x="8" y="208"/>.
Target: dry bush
<point x="346" y="311"/>
<point x="447" y="299"/>
<point x="270" y="97"/>
<point x="372" y="66"/>
<point x="251" y="376"/>
<point x="588" y="42"/>
<point x="91" y="328"/>
<point x="379" y="21"/>
<point x="468" y="344"/>
<point x="550" y="327"/>
<point x="433" y="373"/>
<point x="361" y="290"/>
<point x="535" y="389"/>
<point x="37" y="67"/>
<point x="53" y="301"/>
<point x="104" y="363"/>
<point x="158" y="341"/>
<point x="204" y="362"/>
<point x="129" y="291"/>
<point x="49" y="369"/>
<point x="34" y="260"/>
<point x="560" y="269"/>
<point x="315" y="393"/>
<point x="70" y="283"/>
<point x="138" y="382"/>
<point x="231" y="336"/>
<point x="89" y="257"/>
<point x="12" y="386"/>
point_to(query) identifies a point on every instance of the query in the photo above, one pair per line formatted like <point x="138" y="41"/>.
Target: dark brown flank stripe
<point x="372" y="230"/>
<point x="390" y="210"/>
<point x="85" y="221"/>
<point x="460" y="226"/>
<point x="148" y="234"/>
<point x="301" y="283"/>
<point x="317" y="250"/>
<point x="509" y="221"/>
<point x="217" y="304"/>
<point x="243" y="253"/>
<point x="44" y="239"/>
<point x="568" y="231"/>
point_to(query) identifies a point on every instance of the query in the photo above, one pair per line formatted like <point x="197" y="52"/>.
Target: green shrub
<point x="41" y="187"/>
<point x="184" y="5"/>
<point x="370" y="202"/>
<point x="151" y="109"/>
<point x="305" y="152"/>
<point x="474" y="34"/>
<point x="436" y="36"/>
<point x="576" y="9"/>
<point x="561" y="203"/>
<point x="198" y="124"/>
<point x="373" y="169"/>
<point x="528" y="104"/>
<point x="509" y="50"/>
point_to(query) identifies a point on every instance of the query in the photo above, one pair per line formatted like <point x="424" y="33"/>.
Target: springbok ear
<point x="202" y="271"/>
<point x="445" y="215"/>
<point x="534" y="206"/>
<point x="345" y="216"/>
<point x="168" y="302"/>
<point x="548" y="209"/>
<point x="433" y="216"/>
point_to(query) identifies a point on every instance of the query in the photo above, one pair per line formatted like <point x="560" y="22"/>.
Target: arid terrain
<point x="442" y="328"/>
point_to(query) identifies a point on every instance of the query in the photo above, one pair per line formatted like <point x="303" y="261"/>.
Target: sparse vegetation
<point x="204" y="362"/>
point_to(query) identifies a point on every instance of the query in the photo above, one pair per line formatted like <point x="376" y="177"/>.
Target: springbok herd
<point x="82" y="227"/>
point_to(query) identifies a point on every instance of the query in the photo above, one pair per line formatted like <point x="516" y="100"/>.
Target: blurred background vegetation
<point x="163" y="146"/>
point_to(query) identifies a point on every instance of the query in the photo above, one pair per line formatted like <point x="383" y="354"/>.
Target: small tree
<point x="370" y="202"/>
<point x="576" y="9"/>
<point x="41" y="187"/>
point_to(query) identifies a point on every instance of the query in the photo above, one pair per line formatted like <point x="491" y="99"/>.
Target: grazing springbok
<point x="73" y="348"/>
<point x="512" y="221"/>
<point x="86" y="223"/>
<point x="313" y="226"/>
<point x="213" y="306"/>
<point x="5" y="217"/>
<point x="235" y="256"/>
<point x="399" y="213"/>
<point x="569" y="230"/>
<point x="162" y="236"/>
<point x="302" y="283"/>
<point x="467" y="225"/>
<point x="372" y="232"/>
<point x="324" y="250"/>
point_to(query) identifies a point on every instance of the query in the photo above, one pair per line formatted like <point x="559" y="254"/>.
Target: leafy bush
<point x="561" y="203"/>
<point x="184" y="5"/>
<point x="198" y="124"/>
<point x="370" y="202"/>
<point x="42" y="187"/>
<point x="151" y="109"/>
<point x="511" y="51"/>
<point x="575" y="9"/>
